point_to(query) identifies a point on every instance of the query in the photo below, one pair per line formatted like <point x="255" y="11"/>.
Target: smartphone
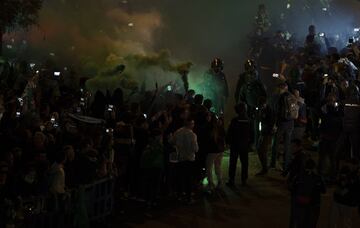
<point x="57" y="74"/>
<point x="326" y="75"/>
<point x="109" y="130"/>
<point x="18" y="114"/>
<point x="275" y="75"/>
<point x="21" y="101"/>
<point x="110" y="108"/>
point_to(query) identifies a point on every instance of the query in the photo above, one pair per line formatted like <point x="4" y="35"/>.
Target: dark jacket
<point x="296" y="166"/>
<point x="267" y="119"/>
<point x="331" y="122"/>
<point x="308" y="188"/>
<point x="239" y="133"/>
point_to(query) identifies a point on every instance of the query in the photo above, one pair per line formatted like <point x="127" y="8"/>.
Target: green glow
<point x="205" y="182"/>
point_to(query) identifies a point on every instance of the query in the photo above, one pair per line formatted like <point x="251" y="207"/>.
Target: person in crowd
<point x="306" y="191"/>
<point x="204" y="130"/>
<point x="185" y="141"/>
<point x="267" y="125"/>
<point x="216" y="85"/>
<point x="189" y="96"/>
<point x="123" y="146"/>
<point x="57" y="175"/>
<point x="249" y="89"/>
<point x="349" y="92"/>
<point x="329" y="87"/>
<point x="301" y="121"/>
<point x="98" y="105"/>
<point x="152" y="166"/>
<point x="287" y="112"/>
<point x="312" y="43"/>
<point x="87" y="166"/>
<point x="215" y="151"/>
<point x="297" y="164"/>
<point x="29" y="182"/>
<point x="141" y="136"/>
<point x="250" y="74"/>
<point x="295" y="169"/>
<point x="312" y="78"/>
<point x="330" y="130"/>
<point x="39" y="151"/>
<point x="70" y="166"/>
<point x="197" y="106"/>
<point x="238" y="138"/>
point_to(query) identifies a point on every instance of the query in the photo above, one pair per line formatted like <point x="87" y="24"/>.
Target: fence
<point x="79" y="208"/>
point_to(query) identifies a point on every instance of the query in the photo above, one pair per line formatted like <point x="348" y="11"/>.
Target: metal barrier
<point x="99" y="199"/>
<point x="82" y="206"/>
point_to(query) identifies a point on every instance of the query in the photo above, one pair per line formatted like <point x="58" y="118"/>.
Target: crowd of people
<point x="56" y="135"/>
<point x="315" y="102"/>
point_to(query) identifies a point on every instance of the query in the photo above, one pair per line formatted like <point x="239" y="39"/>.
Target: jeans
<point x="151" y="183"/>
<point x="186" y="174"/>
<point x="305" y="216"/>
<point x="284" y="132"/>
<point x="214" y="160"/>
<point x="264" y="147"/>
<point x="314" y="116"/>
<point x="172" y="179"/>
<point x="235" y="153"/>
<point x="327" y="149"/>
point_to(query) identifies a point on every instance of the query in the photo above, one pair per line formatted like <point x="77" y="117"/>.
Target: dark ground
<point x="265" y="202"/>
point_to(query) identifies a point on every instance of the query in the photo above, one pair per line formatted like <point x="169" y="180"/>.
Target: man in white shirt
<point x="185" y="141"/>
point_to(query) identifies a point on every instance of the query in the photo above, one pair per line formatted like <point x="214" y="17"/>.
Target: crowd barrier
<point x="99" y="198"/>
<point x="78" y="208"/>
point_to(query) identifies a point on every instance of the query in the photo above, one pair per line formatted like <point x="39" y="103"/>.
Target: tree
<point x="17" y="14"/>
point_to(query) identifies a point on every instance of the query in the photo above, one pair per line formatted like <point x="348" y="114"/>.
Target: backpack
<point x="291" y="107"/>
<point x="306" y="188"/>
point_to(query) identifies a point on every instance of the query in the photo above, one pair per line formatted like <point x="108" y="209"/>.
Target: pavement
<point x="264" y="202"/>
